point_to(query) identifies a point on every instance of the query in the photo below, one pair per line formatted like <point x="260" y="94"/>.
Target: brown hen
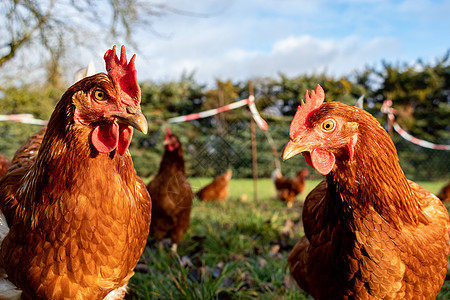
<point x="217" y="189"/>
<point x="444" y="193"/>
<point x="289" y="188"/>
<point x="78" y="214"/>
<point x="369" y="232"/>
<point x="171" y="194"/>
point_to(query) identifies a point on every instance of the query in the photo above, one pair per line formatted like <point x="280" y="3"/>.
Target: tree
<point x="416" y="90"/>
<point x="50" y="28"/>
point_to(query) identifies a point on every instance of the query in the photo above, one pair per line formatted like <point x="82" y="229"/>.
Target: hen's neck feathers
<point x="374" y="178"/>
<point x="172" y="160"/>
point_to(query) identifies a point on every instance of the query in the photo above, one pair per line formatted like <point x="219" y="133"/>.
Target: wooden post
<point x="390" y="123"/>
<point x="254" y="153"/>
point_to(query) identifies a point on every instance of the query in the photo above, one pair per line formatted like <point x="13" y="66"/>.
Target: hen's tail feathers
<point x="228" y="175"/>
<point x="8" y="291"/>
<point x="117" y="294"/>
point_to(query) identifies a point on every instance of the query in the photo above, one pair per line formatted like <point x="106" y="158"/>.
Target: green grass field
<point x="236" y="249"/>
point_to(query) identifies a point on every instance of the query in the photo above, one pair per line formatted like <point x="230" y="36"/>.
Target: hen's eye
<point x="99" y="95"/>
<point x="328" y="125"/>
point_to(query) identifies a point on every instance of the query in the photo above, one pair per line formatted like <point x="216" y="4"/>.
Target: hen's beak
<point x="135" y="118"/>
<point x="292" y="149"/>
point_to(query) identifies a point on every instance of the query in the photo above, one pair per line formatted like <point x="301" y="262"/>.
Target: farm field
<point x="236" y="249"/>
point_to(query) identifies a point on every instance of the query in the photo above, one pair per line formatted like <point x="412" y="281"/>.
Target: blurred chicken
<point x="78" y="215"/>
<point x="4" y="164"/>
<point x="171" y="194"/>
<point x="444" y="193"/>
<point x="217" y="189"/>
<point x="369" y="232"/>
<point x="289" y="188"/>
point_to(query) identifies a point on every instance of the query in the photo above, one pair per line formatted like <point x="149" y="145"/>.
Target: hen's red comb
<point x="168" y="131"/>
<point x="305" y="108"/>
<point x="123" y="75"/>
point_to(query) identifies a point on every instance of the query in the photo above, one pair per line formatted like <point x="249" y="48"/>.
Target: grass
<point x="236" y="249"/>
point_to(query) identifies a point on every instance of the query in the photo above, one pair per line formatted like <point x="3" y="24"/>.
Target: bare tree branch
<point x="27" y="33"/>
<point x="46" y="31"/>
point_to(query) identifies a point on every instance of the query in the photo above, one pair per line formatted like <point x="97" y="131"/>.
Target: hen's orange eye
<point x="328" y="125"/>
<point x="99" y="95"/>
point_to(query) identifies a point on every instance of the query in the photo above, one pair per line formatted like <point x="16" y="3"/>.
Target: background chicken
<point x="289" y="188"/>
<point x="444" y="193"/>
<point x="4" y="164"/>
<point x="78" y="214"/>
<point x="369" y="232"/>
<point x="171" y="194"/>
<point x="217" y="189"/>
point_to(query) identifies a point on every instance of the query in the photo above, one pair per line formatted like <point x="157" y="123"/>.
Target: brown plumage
<point x="369" y="232"/>
<point x="4" y="164"/>
<point x="171" y="194"/>
<point x="217" y="189"/>
<point x="78" y="214"/>
<point x="444" y="193"/>
<point x="289" y="188"/>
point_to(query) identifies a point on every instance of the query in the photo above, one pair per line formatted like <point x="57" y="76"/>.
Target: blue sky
<point x="259" y="38"/>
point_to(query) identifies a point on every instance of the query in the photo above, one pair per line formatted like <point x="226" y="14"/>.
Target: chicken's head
<point x="171" y="141"/>
<point x="322" y="132"/>
<point x="110" y="104"/>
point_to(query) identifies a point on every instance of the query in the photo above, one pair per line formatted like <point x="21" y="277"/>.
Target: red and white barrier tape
<point x="23" y="118"/>
<point x="262" y="124"/>
<point x="387" y="109"/>
<point x="417" y="141"/>
<point x="28" y="118"/>
<point x="208" y="113"/>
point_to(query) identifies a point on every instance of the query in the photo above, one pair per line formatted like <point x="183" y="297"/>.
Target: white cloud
<point x="293" y="55"/>
<point x="262" y="38"/>
<point x="252" y="38"/>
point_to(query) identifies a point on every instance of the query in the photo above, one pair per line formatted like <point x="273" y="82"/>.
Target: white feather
<point x="8" y="291"/>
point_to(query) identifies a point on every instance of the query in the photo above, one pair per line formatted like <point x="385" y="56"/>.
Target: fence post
<point x="254" y="153"/>
<point x="390" y="123"/>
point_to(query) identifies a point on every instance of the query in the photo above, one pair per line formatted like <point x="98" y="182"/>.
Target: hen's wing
<point x="298" y="261"/>
<point x="312" y="215"/>
<point x="298" y="258"/>
<point x="371" y="256"/>
<point x="27" y="153"/>
<point x="422" y="249"/>
<point x="20" y="164"/>
<point x="405" y="258"/>
<point x="23" y="159"/>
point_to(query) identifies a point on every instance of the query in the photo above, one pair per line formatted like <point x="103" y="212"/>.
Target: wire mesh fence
<point x="222" y="142"/>
<point x="226" y="144"/>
